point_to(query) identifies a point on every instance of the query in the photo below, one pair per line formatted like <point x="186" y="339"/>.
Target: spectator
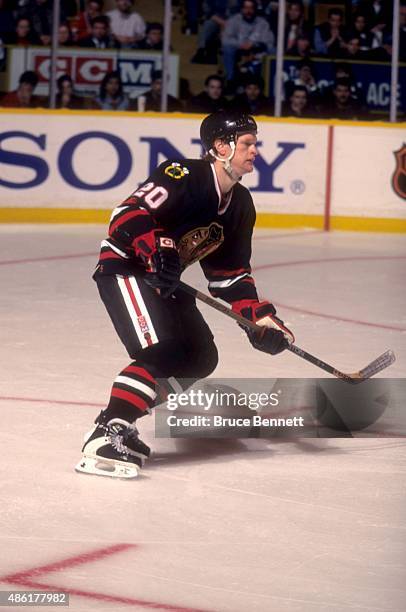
<point x="384" y="53"/>
<point x="352" y="50"/>
<point x="100" y="37"/>
<point x="402" y="40"/>
<point x="269" y="10"/>
<point x="359" y="30"/>
<point x="329" y="37"/>
<point x="343" y="105"/>
<point x="23" y="96"/>
<point x="245" y="32"/>
<point x="342" y="70"/>
<point x="252" y="101"/>
<point x="211" y="99"/>
<point x="111" y="96"/>
<point x="65" y="97"/>
<point x="295" y="25"/>
<point x="249" y="64"/>
<point x="302" y="48"/>
<point x="297" y="104"/>
<point x="305" y="78"/>
<point x="378" y="14"/>
<point x="208" y="42"/>
<point x="24" y="35"/>
<point x="153" y="39"/>
<point x="152" y="98"/>
<point x="82" y="24"/>
<point x="65" y="35"/>
<point x="39" y="12"/>
<point x="127" y="27"/>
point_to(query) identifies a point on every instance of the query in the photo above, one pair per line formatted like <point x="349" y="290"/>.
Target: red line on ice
<point x="333" y="259"/>
<point x="24" y="578"/>
<point x="258" y="269"/>
<point x="105" y="597"/>
<point x="57" y="566"/>
<point x="48" y="258"/>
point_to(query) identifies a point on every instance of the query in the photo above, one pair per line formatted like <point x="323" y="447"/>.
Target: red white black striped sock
<point x="133" y="394"/>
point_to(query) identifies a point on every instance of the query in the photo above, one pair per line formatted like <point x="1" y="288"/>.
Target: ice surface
<point x="215" y="525"/>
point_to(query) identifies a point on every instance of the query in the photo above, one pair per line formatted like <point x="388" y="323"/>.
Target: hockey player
<point x="188" y="210"/>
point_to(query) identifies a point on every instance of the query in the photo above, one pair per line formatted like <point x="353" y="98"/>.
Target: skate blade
<point x="106" y="467"/>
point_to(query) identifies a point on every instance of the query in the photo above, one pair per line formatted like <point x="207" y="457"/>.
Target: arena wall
<point x="75" y="166"/>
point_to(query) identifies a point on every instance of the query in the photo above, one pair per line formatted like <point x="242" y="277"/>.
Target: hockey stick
<point x="377" y="365"/>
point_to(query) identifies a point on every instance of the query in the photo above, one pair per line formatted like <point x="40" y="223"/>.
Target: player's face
<point x="245" y="153"/>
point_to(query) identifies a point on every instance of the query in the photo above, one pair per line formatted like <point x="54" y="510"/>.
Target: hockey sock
<point x="133" y="393"/>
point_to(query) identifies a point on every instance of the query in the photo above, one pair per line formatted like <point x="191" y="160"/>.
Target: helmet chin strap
<point x="226" y="161"/>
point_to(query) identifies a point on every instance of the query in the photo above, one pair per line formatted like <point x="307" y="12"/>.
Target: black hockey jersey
<point x="183" y="199"/>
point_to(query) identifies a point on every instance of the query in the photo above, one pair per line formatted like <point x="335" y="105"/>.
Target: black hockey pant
<point x="165" y="338"/>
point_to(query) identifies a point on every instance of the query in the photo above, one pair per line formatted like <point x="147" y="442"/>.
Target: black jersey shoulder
<point x="186" y="189"/>
<point x="178" y="171"/>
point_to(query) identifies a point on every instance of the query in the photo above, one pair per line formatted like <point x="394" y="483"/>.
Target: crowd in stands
<point x="361" y="28"/>
<point x="29" y="22"/>
<point x="233" y="36"/>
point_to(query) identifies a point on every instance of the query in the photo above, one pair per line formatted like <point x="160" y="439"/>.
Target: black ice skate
<point x="113" y="449"/>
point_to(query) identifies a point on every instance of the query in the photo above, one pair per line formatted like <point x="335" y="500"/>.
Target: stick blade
<point x="380" y="363"/>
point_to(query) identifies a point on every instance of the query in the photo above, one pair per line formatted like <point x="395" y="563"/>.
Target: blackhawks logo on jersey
<point x="176" y="171"/>
<point x="399" y="176"/>
<point x="199" y="242"/>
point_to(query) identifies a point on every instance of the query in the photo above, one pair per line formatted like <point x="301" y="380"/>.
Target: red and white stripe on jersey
<point x="107" y="247"/>
<point x="223" y="284"/>
<point x="230" y="285"/>
<point x="137" y="310"/>
<point x="119" y="209"/>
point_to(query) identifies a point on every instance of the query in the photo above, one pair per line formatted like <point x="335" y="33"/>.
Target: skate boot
<point x="113" y="449"/>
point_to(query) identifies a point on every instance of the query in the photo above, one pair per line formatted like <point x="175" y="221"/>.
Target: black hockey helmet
<point x="226" y="125"/>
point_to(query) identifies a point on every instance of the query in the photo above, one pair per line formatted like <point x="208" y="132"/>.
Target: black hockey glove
<point x="274" y="337"/>
<point x="161" y="258"/>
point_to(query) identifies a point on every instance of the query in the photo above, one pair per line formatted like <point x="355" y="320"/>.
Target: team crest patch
<point x="399" y="176"/>
<point x="176" y="171"/>
<point x="199" y="242"/>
